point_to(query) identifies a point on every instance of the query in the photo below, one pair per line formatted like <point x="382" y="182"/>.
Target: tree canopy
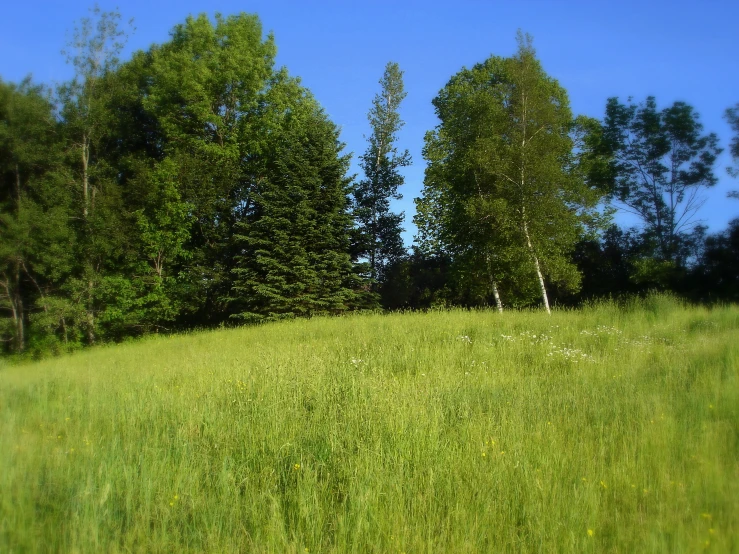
<point x="502" y="193"/>
<point x="661" y="163"/>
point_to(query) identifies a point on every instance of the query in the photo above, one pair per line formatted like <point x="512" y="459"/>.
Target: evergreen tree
<point x="378" y="235"/>
<point x="719" y="267"/>
<point x="293" y="258"/>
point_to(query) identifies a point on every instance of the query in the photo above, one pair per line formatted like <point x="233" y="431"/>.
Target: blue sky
<point x="676" y="50"/>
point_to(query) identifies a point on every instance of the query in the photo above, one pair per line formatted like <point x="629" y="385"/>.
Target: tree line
<point x="197" y="184"/>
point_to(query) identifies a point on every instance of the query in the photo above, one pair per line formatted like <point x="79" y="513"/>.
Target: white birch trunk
<point x="85" y="178"/>
<point x="493" y="284"/>
<point x="538" y="268"/>
<point x="537" y="265"/>
<point x="498" y="303"/>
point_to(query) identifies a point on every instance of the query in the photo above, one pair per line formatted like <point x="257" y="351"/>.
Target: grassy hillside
<point x="603" y="430"/>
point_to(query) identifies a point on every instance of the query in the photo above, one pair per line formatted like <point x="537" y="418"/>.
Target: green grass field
<point x="601" y="430"/>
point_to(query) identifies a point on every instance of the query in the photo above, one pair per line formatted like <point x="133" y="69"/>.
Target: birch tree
<point x="503" y="159"/>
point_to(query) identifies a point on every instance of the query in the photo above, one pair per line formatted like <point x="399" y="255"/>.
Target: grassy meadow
<point x="601" y="430"/>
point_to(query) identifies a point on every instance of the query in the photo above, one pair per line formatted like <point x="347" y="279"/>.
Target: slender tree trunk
<point x="64" y="330"/>
<point x="159" y="264"/>
<point x="537" y="266"/>
<point x="18" y="301"/>
<point x="498" y="303"/>
<point x="10" y="293"/>
<point x="90" y="315"/>
<point x="85" y="177"/>
<point x="493" y="284"/>
<point x="14" y="295"/>
<point x="375" y="196"/>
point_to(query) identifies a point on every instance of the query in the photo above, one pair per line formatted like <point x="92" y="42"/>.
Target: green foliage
<point x="504" y="193"/>
<point x="34" y="207"/>
<point x="160" y="181"/>
<point x="660" y="164"/>
<point x="732" y="116"/>
<point x="206" y="93"/>
<point x="195" y="184"/>
<point x="378" y="234"/>
<point x="717" y="272"/>
<point x="293" y="242"/>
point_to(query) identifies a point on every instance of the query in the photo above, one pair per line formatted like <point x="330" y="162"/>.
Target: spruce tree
<point x="293" y="242"/>
<point x="206" y="93"/>
<point x="378" y="236"/>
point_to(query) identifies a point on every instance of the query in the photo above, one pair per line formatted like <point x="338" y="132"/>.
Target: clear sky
<point x="673" y="50"/>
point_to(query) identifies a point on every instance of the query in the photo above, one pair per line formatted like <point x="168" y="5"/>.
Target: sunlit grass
<point x="603" y="430"/>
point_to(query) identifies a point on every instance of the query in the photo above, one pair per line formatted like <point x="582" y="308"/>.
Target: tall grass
<point x="601" y="430"/>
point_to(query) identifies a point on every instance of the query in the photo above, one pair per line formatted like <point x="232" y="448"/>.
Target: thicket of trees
<point x="192" y="185"/>
<point x="196" y="184"/>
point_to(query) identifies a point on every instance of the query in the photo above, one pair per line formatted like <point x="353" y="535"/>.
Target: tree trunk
<point x="537" y="266"/>
<point x="85" y="212"/>
<point x="14" y="292"/>
<point x="494" y="285"/>
<point x="20" y="336"/>
<point x="64" y="329"/>
<point x="498" y="303"/>
<point x="17" y="188"/>
<point x="85" y="177"/>
<point x="13" y="297"/>
<point x="375" y="194"/>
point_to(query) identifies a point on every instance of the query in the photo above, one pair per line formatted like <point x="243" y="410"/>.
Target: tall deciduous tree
<point x="34" y="216"/>
<point x="661" y="163"/>
<point x="93" y="51"/>
<point x="207" y="93"/>
<point x="502" y="185"/>
<point x="378" y="237"/>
